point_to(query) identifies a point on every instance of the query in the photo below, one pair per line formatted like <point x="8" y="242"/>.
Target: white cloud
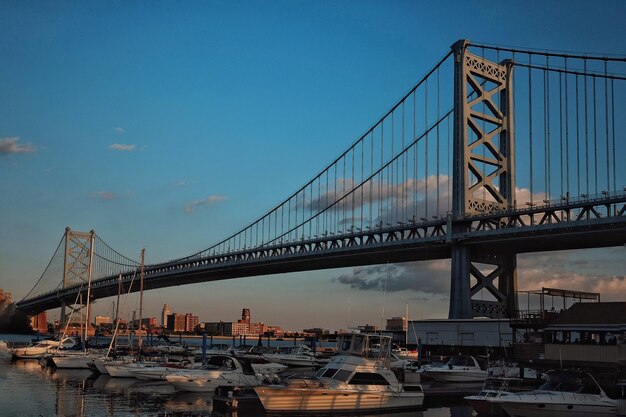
<point x="122" y="147"/>
<point x="11" y="146"/>
<point x="119" y="130"/>
<point x="103" y="195"/>
<point x="209" y="201"/>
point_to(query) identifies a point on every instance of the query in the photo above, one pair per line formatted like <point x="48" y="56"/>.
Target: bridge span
<point x="470" y="165"/>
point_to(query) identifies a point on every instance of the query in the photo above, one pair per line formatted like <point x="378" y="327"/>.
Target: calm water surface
<point x="27" y="389"/>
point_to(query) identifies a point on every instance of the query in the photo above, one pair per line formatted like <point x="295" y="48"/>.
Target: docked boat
<point x="298" y="356"/>
<point x="566" y="393"/>
<point x="220" y="370"/>
<point x="459" y="368"/>
<point x="43" y="347"/>
<point x="72" y="359"/>
<point x="159" y="372"/>
<point x="498" y="387"/>
<point x="358" y="379"/>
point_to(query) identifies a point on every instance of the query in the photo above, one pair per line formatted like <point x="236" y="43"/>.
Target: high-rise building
<point x="245" y="315"/>
<point x="176" y="322"/>
<point x="166" y="312"/>
<point x="191" y="322"/>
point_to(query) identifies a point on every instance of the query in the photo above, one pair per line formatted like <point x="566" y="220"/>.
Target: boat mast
<point x="139" y="343"/>
<point x="117" y="308"/>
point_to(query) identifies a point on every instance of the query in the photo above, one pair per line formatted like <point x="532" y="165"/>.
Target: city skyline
<point x="168" y="128"/>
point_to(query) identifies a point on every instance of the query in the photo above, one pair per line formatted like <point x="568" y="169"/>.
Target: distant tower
<point x="166" y="312"/>
<point x="245" y="315"/>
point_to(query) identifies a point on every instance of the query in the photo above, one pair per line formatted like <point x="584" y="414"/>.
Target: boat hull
<point x="456" y="376"/>
<point x="72" y="361"/>
<point x="557" y="410"/>
<point x="281" y="400"/>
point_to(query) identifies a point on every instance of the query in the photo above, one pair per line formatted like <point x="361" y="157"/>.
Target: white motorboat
<point x="498" y="387"/>
<point x="161" y="371"/>
<point x="459" y="368"/>
<point x="357" y="379"/>
<point x="566" y="393"/>
<point x="220" y="370"/>
<point x="124" y="368"/>
<point x="299" y="356"/>
<point x="43" y="347"/>
<point x="261" y="365"/>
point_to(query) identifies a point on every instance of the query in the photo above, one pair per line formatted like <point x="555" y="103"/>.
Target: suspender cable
<point x="577" y="138"/>
<point x="438" y="116"/>
<point x="613" y="130"/>
<point x="415" y="172"/>
<point x="561" y="129"/>
<point x="545" y="134"/>
<point x="530" y="127"/>
<point x="567" y="155"/>
<point x="586" y="130"/>
<point x="606" y="127"/>
<point x="426" y="151"/>
<point x="549" y="150"/>
<point x="595" y="139"/>
<point x="404" y="163"/>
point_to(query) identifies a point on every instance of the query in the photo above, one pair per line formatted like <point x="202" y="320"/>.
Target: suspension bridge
<point x="496" y="151"/>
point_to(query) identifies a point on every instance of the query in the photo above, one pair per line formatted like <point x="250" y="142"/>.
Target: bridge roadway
<point x="587" y="223"/>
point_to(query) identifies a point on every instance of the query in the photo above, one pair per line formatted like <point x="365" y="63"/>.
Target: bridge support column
<point x="485" y="269"/>
<point x="460" y="298"/>
<point x="483" y="181"/>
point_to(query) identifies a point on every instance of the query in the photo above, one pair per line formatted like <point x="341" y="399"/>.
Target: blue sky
<point x="169" y="125"/>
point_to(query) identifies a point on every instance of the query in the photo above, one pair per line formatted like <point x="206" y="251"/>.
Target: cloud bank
<point x="10" y="146"/>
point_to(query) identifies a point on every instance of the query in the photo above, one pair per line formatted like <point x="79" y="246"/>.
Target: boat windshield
<point x="571" y="382"/>
<point x="461" y="361"/>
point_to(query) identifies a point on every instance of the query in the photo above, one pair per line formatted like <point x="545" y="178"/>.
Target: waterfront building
<point x="167" y="311"/>
<point x="39" y="322"/>
<point x="235" y="328"/>
<point x="191" y="322"/>
<point x="257" y="328"/>
<point x="397" y="324"/>
<point x="100" y="320"/>
<point x="367" y="328"/>
<point x="475" y="334"/>
<point x="176" y="322"/>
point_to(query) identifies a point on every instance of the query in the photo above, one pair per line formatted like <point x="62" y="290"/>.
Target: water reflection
<point x="27" y="388"/>
<point x="190" y="402"/>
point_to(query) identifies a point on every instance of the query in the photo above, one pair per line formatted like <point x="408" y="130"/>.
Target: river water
<point x="28" y="389"/>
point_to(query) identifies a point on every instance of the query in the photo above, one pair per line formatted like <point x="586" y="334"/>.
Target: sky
<point x="168" y="126"/>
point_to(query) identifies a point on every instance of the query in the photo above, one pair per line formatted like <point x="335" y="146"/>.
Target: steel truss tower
<point x="77" y="262"/>
<point x="483" y="182"/>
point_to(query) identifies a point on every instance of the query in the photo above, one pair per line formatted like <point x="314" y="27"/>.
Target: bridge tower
<point x="77" y="262"/>
<point x="483" y="182"/>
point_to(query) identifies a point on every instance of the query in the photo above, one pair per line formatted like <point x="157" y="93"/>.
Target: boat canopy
<point x="571" y="381"/>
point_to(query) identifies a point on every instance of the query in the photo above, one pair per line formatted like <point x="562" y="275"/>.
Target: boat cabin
<point x="364" y="345"/>
<point x="225" y="362"/>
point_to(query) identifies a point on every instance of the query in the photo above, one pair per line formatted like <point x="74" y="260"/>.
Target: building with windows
<point x="167" y="311"/>
<point x="176" y="322"/>
<point x="396" y="324"/>
<point x="191" y="322"/>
